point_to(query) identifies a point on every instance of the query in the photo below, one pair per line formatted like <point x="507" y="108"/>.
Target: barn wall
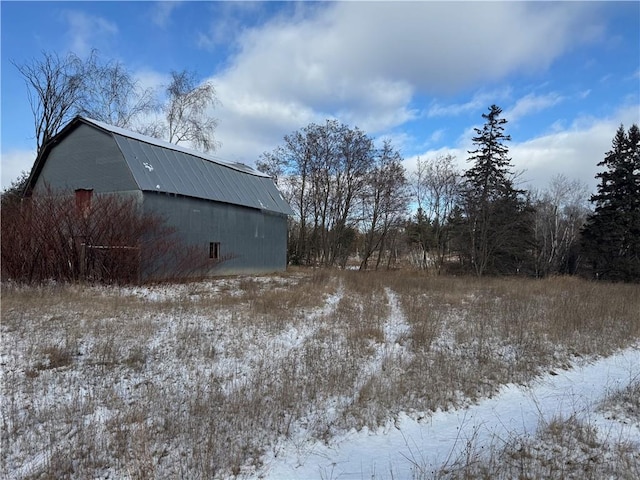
<point x="86" y="158"/>
<point x="255" y="240"/>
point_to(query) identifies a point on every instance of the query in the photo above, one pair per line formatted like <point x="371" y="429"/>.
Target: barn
<point x="225" y="210"/>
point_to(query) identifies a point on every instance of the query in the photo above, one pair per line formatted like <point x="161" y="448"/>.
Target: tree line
<point x="340" y="186"/>
<point x="355" y="201"/>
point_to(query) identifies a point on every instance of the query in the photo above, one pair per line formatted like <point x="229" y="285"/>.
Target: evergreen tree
<point x="611" y="237"/>
<point x="497" y="225"/>
<point x="634" y="202"/>
<point x="420" y="235"/>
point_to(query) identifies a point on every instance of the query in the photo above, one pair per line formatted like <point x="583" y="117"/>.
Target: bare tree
<point x="55" y="87"/>
<point x="289" y="165"/>
<point x="326" y="168"/>
<point x="418" y="227"/>
<point x="186" y="112"/>
<point x="561" y="210"/>
<point x="353" y="162"/>
<point x="436" y="184"/>
<point x="111" y="94"/>
<point x="59" y="88"/>
<point x="384" y="202"/>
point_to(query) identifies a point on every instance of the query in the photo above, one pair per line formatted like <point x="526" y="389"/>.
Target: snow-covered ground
<point x="410" y="447"/>
<point x="265" y="377"/>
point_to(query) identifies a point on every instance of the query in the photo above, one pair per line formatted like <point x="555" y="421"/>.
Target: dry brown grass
<point x="200" y="380"/>
<point x="563" y="448"/>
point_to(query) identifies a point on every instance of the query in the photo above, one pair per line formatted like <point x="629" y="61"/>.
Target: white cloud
<point x="532" y="103"/>
<point x="479" y="101"/>
<point x="151" y="79"/>
<point x="574" y="152"/>
<point x="161" y="12"/>
<point x="84" y="30"/>
<point x="365" y="63"/>
<point x="435" y="46"/>
<point x="252" y="124"/>
<point x="459" y="153"/>
<point x="13" y="163"/>
<point x="228" y="23"/>
<point x="436" y="136"/>
<point x="438" y="110"/>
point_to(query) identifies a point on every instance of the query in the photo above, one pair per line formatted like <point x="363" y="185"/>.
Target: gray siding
<point x="86" y="158"/>
<point x="255" y="239"/>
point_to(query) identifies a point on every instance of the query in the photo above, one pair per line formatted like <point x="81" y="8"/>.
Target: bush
<point x="50" y="236"/>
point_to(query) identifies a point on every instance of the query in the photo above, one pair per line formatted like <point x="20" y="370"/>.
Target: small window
<point x="214" y="250"/>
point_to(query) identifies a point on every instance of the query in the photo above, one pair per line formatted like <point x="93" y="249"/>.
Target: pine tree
<point x="611" y="237"/>
<point x="634" y="202"/>
<point x="497" y="229"/>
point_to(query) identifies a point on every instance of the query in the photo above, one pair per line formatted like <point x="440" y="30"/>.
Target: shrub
<point x="49" y="236"/>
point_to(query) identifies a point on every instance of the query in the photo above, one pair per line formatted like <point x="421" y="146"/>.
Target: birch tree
<point x="560" y="211"/>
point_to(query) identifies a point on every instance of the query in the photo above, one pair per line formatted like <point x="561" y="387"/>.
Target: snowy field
<point x="407" y="447"/>
<point x="322" y="375"/>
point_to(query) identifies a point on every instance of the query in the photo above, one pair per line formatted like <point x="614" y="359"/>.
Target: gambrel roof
<point x="160" y="166"/>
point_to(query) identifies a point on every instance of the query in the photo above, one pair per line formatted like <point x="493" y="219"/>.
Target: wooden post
<point x="83" y="262"/>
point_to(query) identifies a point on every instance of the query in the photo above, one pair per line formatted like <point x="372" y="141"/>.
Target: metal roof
<point x="164" y="167"/>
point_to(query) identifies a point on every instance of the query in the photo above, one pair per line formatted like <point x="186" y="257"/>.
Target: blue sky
<point x="566" y="74"/>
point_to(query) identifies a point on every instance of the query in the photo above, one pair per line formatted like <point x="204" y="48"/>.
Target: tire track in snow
<point x="394" y="329"/>
<point x="406" y="447"/>
<point x="261" y="351"/>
